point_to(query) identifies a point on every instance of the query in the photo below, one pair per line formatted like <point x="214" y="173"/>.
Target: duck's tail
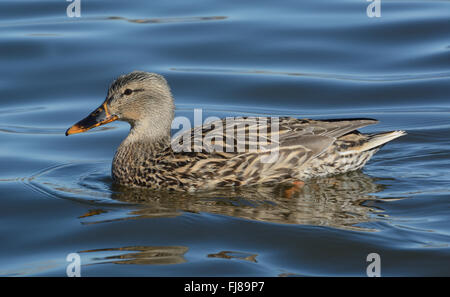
<point x="378" y="140"/>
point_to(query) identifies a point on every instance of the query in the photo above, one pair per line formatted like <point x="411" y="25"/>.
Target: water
<point x="316" y="59"/>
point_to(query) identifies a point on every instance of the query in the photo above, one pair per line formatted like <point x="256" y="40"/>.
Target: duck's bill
<point x="98" y="117"/>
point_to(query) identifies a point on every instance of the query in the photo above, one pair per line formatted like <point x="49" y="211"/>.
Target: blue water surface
<point x="310" y="58"/>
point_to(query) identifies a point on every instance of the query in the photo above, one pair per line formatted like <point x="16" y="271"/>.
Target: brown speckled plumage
<point x="304" y="148"/>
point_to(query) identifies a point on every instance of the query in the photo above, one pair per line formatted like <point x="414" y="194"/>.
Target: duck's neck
<point x="141" y="146"/>
<point x="146" y="132"/>
<point x="144" y="140"/>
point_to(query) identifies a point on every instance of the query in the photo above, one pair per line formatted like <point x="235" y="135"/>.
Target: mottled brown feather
<point x="306" y="149"/>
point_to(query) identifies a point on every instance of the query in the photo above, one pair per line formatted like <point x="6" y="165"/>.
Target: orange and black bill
<point x="98" y="117"/>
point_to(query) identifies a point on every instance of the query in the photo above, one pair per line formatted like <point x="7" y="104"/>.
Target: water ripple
<point x="169" y="20"/>
<point x="364" y="78"/>
<point x="63" y="20"/>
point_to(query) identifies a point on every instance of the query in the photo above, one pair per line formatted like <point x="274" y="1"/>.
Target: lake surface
<point x="312" y="58"/>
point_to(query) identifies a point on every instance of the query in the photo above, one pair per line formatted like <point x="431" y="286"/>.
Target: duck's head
<point x="140" y="98"/>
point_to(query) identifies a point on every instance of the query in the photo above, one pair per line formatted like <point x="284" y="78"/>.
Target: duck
<point x="223" y="153"/>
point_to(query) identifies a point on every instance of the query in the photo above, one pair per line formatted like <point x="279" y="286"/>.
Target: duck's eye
<point x="128" y="92"/>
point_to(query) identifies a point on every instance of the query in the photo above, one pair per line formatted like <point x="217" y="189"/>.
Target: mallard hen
<point x="228" y="152"/>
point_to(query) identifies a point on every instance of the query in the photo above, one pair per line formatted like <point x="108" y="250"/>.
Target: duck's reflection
<point x="234" y="255"/>
<point x="335" y="201"/>
<point x="150" y="255"/>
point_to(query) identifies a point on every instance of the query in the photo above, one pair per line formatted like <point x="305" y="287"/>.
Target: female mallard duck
<point x="293" y="149"/>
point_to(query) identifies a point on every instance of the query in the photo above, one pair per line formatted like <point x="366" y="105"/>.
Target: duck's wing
<point x="273" y="149"/>
<point x="239" y="135"/>
<point x="331" y="128"/>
